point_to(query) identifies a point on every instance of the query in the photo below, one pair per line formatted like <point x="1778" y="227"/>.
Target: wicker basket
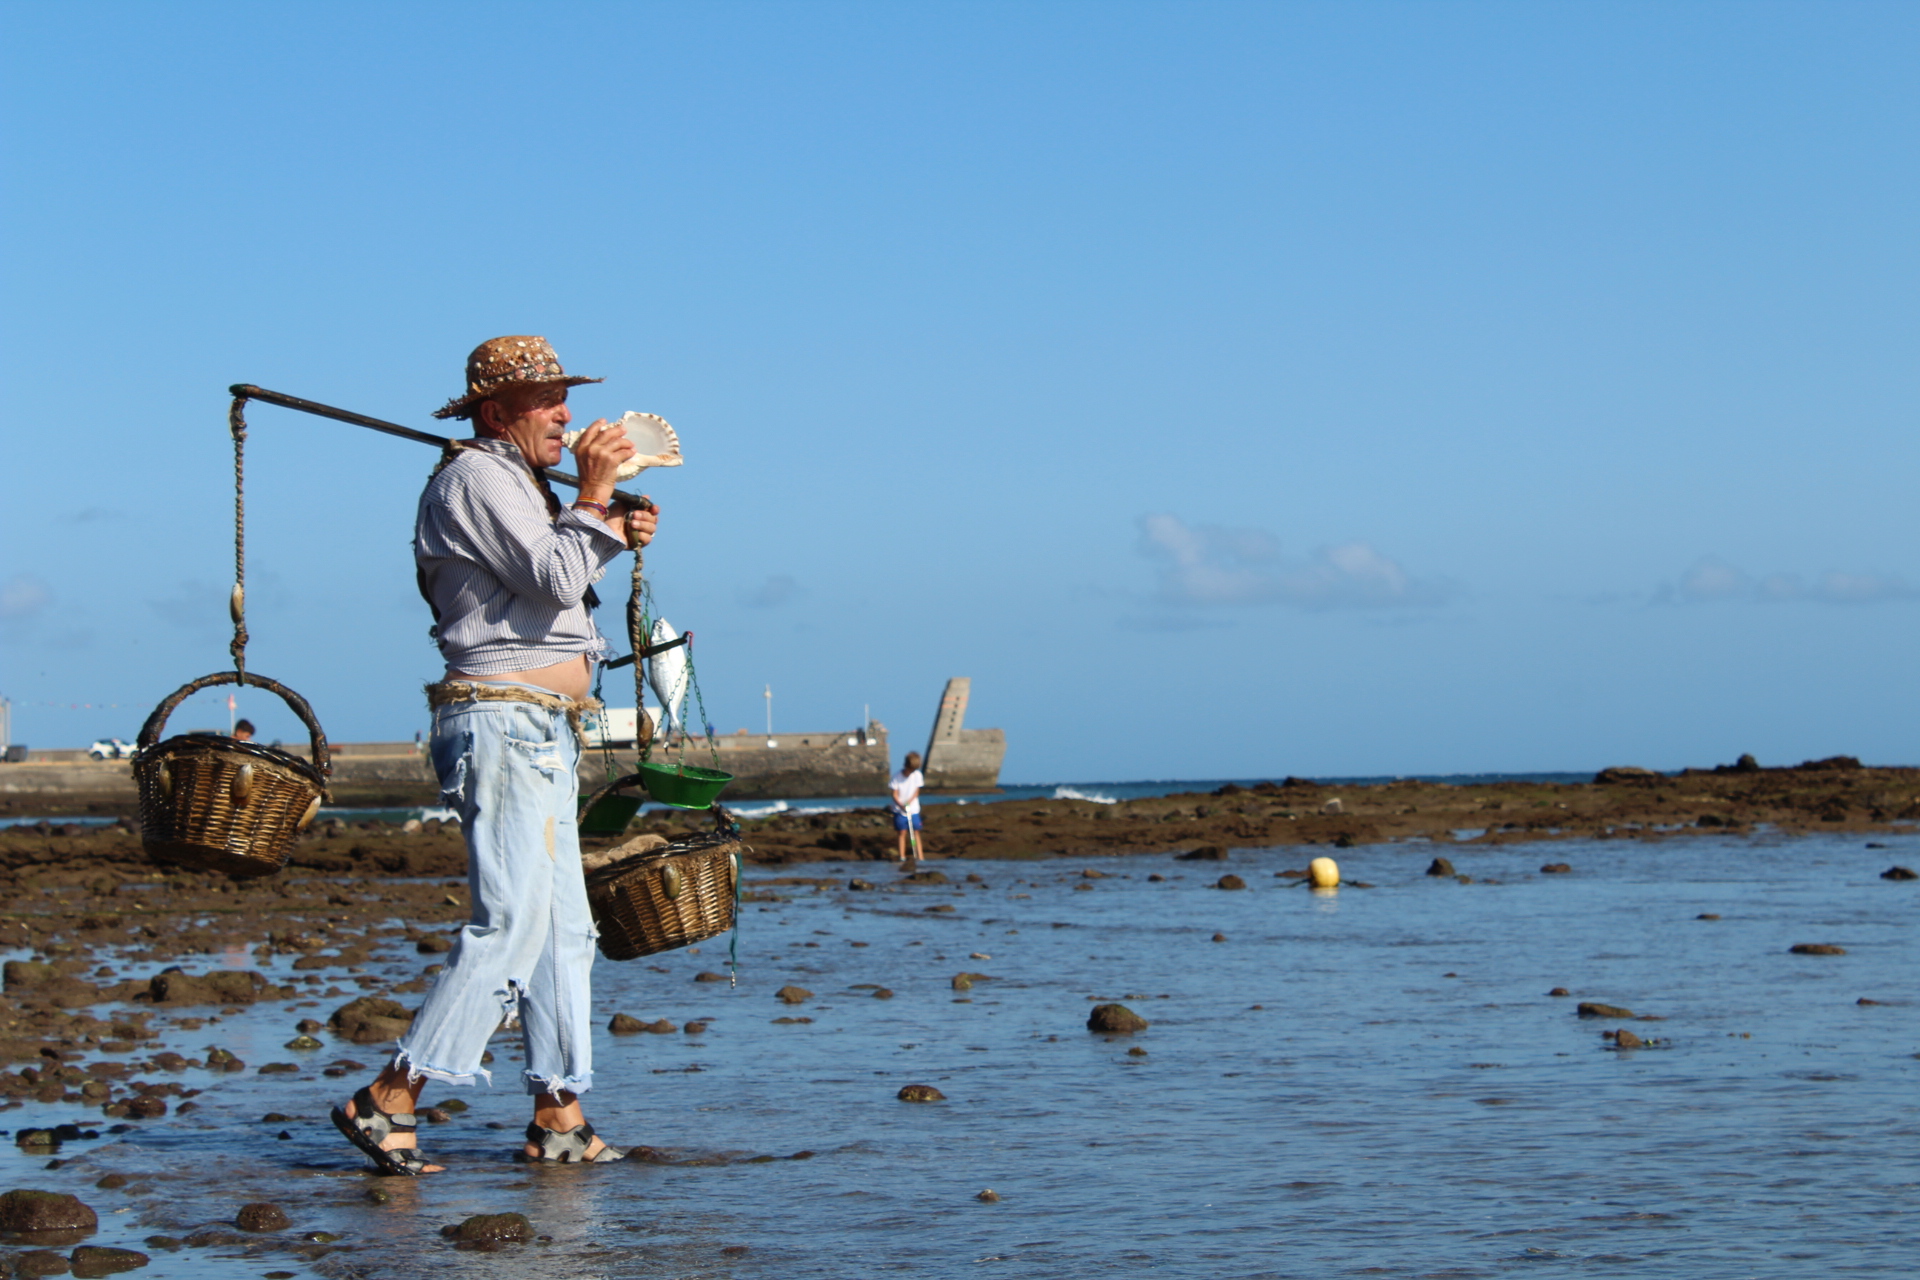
<point x="213" y="803"/>
<point x="669" y="897"/>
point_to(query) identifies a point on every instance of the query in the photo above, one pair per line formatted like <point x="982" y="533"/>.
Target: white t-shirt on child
<point x="906" y="792"/>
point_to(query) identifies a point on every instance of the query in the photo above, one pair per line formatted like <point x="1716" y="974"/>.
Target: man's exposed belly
<point x="573" y="678"/>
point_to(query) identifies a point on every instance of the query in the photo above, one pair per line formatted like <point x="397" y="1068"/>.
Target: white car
<point x="112" y="749"/>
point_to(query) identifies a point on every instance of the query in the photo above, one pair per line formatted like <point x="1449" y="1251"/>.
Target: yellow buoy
<point x="1324" y="873"/>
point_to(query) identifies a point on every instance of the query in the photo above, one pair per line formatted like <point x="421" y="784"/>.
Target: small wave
<point x="759" y="810"/>
<point x="1068" y="793"/>
<point x="68" y="821"/>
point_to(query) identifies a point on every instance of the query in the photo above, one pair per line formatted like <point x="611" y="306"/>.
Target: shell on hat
<point x="655" y="443"/>
<point x="518" y="359"/>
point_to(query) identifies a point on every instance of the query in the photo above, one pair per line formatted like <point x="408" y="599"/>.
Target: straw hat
<point x="514" y="361"/>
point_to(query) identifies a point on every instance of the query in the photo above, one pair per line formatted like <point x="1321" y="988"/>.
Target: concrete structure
<point x="959" y="758"/>
<point x="784" y="766"/>
<point x="389" y="767"/>
<point x="853" y="762"/>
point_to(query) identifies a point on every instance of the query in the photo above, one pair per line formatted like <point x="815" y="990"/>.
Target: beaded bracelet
<point x="600" y="507"/>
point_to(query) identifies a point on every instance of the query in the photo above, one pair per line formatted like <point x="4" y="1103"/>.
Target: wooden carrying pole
<point x="247" y="391"/>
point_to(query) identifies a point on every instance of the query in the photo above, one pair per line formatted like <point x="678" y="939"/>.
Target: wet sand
<point x="76" y="889"/>
<point x="125" y="976"/>
<point x="1835" y="795"/>
<point x="1825" y="796"/>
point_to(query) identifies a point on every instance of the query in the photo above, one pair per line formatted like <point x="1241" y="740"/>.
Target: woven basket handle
<point x="150" y="731"/>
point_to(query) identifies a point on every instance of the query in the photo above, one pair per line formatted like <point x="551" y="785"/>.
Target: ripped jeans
<point x="508" y="770"/>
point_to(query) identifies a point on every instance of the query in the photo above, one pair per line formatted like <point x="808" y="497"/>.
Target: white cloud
<point x="1712" y="579"/>
<point x="22" y="596"/>
<point x="1210" y="565"/>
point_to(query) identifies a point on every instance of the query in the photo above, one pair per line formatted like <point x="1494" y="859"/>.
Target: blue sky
<point x="1230" y="390"/>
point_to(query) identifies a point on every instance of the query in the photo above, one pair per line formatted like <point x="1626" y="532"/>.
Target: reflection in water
<point x="1373" y="1079"/>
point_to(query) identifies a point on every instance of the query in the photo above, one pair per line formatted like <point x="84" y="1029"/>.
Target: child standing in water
<point x="906" y="806"/>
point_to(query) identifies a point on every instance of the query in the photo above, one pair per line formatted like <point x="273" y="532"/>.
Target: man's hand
<point x="599" y="452"/>
<point x="637" y="527"/>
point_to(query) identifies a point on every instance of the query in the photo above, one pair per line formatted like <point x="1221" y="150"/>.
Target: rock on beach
<point x="1593" y="1009"/>
<point x="40" y="1262"/>
<point x="491" y="1228"/>
<point x="91" y="1260"/>
<point x="1115" y="1019"/>
<point x="1626" y="774"/>
<point x="33" y="1213"/>
<point x="371" y="1020"/>
<point x="261" y="1216"/>
<point x="223" y="986"/>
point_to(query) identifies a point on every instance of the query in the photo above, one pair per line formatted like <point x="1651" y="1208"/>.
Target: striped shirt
<point x="506" y="580"/>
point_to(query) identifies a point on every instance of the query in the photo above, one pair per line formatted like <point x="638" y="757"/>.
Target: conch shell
<point x="655" y="443"/>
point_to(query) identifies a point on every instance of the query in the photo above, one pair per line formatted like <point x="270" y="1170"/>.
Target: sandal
<point x="369" y="1126"/>
<point x="569" y="1147"/>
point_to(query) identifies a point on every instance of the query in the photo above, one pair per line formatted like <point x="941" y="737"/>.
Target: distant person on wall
<point x="243" y="731"/>
<point x="906" y="807"/>
<point x="508" y="573"/>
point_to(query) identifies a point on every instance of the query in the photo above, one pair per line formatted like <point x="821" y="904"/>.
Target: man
<point x="508" y="572"/>
<point x="243" y="731"/>
<point x="906" y="786"/>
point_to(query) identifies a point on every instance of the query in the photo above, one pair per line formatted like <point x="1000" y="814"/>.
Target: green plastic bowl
<point x="683" y="786"/>
<point x="609" y="815"/>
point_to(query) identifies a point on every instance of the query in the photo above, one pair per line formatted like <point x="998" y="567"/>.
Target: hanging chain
<point x="640" y="635"/>
<point x="606" y="725"/>
<point x="713" y="747"/>
<point x="237" y="602"/>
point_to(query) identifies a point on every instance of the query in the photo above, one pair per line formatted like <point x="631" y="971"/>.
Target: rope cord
<point x="733" y="944"/>
<point x="639" y="633"/>
<point x="237" y="602"/>
<point x="638" y="606"/>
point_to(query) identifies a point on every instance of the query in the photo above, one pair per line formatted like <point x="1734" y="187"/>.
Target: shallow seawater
<point x="1405" y="1101"/>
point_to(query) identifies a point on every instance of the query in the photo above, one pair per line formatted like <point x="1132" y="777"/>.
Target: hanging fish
<point x="667" y="673"/>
